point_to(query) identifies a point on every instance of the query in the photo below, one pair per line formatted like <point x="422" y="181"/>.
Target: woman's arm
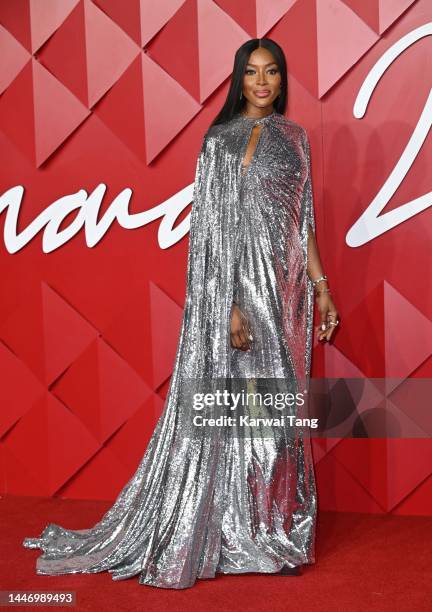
<point x="314" y="268"/>
<point x="326" y="307"/>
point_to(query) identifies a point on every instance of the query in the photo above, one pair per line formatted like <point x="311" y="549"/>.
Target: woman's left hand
<point x="328" y="316"/>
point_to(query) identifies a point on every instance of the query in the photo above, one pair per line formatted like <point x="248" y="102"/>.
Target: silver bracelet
<point x="316" y="281"/>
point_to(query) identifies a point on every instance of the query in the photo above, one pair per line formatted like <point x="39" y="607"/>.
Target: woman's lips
<point x="262" y="94"/>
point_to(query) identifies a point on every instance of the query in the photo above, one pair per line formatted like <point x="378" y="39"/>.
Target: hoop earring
<point x="241" y="95"/>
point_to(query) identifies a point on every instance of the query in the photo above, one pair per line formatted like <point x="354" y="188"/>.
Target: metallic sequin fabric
<point x="203" y="499"/>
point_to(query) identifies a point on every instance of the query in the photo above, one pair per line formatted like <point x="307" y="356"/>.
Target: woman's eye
<point x="271" y="71"/>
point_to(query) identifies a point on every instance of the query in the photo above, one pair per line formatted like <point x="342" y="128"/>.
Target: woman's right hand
<point x="240" y="330"/>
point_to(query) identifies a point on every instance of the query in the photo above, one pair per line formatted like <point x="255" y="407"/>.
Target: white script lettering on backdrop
<point x="370" y="224"/>
<point x="87" y="207"/>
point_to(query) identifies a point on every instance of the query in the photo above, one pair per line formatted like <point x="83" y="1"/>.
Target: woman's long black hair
<point x="233" y="103"/>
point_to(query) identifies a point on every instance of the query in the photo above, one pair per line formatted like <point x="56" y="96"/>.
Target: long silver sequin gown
<point x="205" y="499"/>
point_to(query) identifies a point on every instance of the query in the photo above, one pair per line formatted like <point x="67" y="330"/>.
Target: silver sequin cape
<point x="205" y="500"/>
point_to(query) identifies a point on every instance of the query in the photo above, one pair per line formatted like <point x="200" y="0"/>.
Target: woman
<point x="236" y="498"/>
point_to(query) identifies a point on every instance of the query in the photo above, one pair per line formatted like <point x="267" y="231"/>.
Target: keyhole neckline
<point x="244" y="168"/>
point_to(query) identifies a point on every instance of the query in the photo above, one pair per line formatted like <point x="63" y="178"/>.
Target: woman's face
<point x="262" y="79"/>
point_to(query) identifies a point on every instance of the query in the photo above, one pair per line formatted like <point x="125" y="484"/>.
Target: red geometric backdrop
<point x="120" y="94"/>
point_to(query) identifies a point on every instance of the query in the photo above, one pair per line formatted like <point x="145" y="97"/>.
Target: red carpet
<point x="364" y="562"/>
